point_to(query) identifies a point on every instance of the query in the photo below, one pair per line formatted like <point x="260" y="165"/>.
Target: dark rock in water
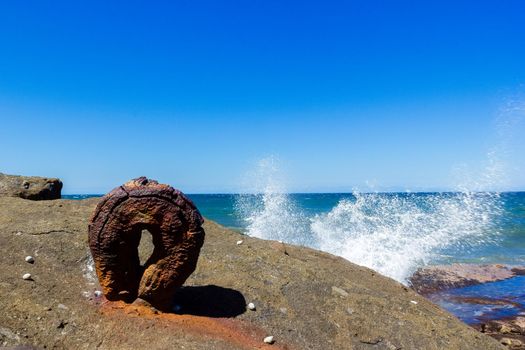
<point x="440" y="277"/>
<point x="30" y="187"/>
<point x="115" y="232"/>
<point x="364" y="311"/>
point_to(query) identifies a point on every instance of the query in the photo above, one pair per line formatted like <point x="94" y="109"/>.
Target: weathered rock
<point x="440" y="277"/>
<point x="30" y="187"/>
<point x="293" y="292"/>
<point x="434" y="281"/>
<point x="510" y="332"/>
<point x="115" y="232"/>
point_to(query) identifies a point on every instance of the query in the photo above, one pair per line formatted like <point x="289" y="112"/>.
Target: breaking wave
<point x="392" y="233"/>
<point x="395" y="234"/>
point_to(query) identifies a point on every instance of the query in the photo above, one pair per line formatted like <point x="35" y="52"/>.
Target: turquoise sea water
<point x="393" y="233"/>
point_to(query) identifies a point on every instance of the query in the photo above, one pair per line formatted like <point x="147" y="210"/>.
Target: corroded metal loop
<point x="115" y="230"/>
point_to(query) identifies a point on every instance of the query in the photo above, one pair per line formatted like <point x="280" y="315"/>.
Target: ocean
<point x="392" y="233"/>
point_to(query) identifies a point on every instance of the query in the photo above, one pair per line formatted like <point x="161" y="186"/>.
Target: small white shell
<point x="413" y="302"/>
<point x="269" y="339"/>
<point x="239" y="242"/>
<point x="251" y="306"/>
<point x="27" y="276"/>
<point x="30" y="259"/>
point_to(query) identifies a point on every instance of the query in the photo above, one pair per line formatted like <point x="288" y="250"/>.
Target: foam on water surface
<point x="392" y="233"/>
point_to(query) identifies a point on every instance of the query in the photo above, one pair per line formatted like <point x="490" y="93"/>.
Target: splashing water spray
<point x="392" y="233"/>
<point x="267" y="209"/>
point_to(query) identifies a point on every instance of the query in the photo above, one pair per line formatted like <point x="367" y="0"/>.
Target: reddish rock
<point x="440" y="277"/>
<point x="115" y="231"/>
<point x="510" y="332"/>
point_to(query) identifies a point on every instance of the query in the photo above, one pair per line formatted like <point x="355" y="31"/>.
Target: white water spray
<point x="267" y="209"/>
<point x="393" y="234"/>
<point x="397" y="233"/>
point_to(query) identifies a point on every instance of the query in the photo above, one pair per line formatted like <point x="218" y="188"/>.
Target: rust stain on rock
<point x="236" y="332"/>
<point x="115" y="230"/>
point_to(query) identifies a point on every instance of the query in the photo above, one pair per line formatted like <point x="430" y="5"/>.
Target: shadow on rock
<point x="210" y="301"/>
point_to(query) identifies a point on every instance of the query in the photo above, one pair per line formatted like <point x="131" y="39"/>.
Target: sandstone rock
<point x="376" y="313"/>
<point x="506" y="341"/>
<point x="512" y="330"/>
<point x="508" y="331"/>
<point x="30" y="187"/>
<point x="440" y="277"/>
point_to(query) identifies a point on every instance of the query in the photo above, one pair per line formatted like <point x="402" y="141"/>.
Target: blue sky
<point x="397" y="95"/>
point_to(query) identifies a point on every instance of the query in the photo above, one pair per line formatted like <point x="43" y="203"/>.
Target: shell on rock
<point x="269" y="339"/>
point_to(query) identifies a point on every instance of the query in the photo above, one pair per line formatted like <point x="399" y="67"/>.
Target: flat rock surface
<point x="304" y="298"/>
<point x="440" y="277"/>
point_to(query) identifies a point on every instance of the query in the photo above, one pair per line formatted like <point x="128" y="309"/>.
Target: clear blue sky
<point x="193" y="93"/>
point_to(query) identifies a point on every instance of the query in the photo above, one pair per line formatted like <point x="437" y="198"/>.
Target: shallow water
<point x="480" y="303"/>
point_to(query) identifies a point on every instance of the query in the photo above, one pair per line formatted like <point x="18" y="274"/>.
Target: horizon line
<point x="361" y="192"/>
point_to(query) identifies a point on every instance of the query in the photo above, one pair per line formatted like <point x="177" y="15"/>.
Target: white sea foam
<point x="397" y="233"/>
<point x="267" y="209"/>
<point x="393" y="234"/>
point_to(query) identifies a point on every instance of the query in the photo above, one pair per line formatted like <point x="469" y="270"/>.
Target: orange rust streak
<point x="229" y="330"/>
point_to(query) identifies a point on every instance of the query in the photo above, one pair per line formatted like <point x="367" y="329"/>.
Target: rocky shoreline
<point x="304" y="299"/>
<point x="431" y="279"/>
<point x="445" y="284"/>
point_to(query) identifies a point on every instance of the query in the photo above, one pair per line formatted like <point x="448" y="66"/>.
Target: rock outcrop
<point x="440" y="277"/>
<point x="30" y="187"/>
<point x="440" y="283"/>
<point x="510" y="332"/>
<point x="304" y="298"/>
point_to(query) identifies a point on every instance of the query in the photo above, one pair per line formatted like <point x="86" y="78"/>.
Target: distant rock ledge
<point x="30" y="187"/>
<point x="440" y="277"/>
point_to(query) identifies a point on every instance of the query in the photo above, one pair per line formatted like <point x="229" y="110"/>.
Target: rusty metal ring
<point x="115" y="230"/>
